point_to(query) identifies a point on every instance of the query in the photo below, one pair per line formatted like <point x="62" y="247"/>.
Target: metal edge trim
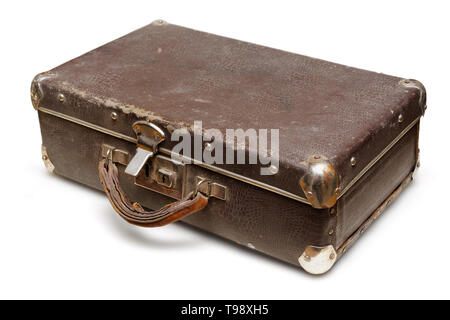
<point x="224" y="172"/>
<point x="237" y="176"/>
<point x="88" y="125"/>
<point x="378" y="157"/>
<point x="375" y="214"/>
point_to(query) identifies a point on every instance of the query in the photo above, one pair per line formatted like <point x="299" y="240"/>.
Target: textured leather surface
<point x="377" y="185"/>
<point x="274" y="225"/>
<point x="133" y="212"/>
<point x="174" y="76"/>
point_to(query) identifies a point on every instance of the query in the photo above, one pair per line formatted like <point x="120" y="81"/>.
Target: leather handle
<point x="134" y="213"/>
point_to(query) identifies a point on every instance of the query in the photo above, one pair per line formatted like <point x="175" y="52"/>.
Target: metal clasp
<point x="161" y="173"/>
<point x="148" y="137"/>
<point x="115" y="155"/>
<point x="210" y="188"/>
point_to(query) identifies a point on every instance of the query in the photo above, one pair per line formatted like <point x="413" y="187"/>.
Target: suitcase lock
<point x="158" y="172"/>
<point x="148" y="138"/>
<point x="163" y="175"/>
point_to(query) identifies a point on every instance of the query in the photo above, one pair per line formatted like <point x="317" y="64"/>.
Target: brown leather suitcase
<point x="343" y="142"/>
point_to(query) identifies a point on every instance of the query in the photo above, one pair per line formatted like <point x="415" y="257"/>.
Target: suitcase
<point x="288" y="155"/>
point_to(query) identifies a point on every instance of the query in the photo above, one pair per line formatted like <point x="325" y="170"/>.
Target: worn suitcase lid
<point x="334" y="121"/>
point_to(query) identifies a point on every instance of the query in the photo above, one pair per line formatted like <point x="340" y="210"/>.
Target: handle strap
<point x="133" y="212"/>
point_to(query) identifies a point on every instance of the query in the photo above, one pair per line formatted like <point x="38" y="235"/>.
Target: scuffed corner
<point x="320" y="184"/>
<point x="412" y="83"/>
<point x="36" y="88"/>
<point x="48" y="164"/>
<point x="318" y="260"/>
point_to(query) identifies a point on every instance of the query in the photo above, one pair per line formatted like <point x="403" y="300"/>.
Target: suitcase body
<point x="343" y="142"/>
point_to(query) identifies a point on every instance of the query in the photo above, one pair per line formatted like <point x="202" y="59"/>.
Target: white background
<point x="59" y="239"/>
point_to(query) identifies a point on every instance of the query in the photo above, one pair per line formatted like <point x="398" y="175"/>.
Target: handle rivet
<point x="400" y="118"/>
<point x="114" y="115"/>
<point x="353" y="161"/>
<point x="61" y="97"/>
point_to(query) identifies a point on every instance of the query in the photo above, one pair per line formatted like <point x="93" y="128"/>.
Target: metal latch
<point x="148" y="138"/>
<point x="154" y="171"/>
<point x="161" y="173"/>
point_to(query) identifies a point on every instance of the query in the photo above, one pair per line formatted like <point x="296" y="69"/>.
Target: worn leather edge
<point x="36" y="91"/>
<point x="225" y="172"/>
<point x="352" y="239"/>
<point x="378" y="157"/>
<point x="58" y="89"/>
<point x="416" y="84"/>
